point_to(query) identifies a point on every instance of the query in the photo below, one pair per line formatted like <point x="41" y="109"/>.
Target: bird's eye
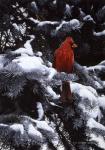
<point x="72" y="44"/>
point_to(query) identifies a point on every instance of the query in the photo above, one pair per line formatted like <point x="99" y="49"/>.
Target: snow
<point x="54" y="2"/>
<point x="99" y="139"/>
<point x="98" y="67"/>
<point x="15" y="26"/>
<point x="39" y="54"/>
<point x="23" y="50"/>
<point x="102" y="33"/>
<point x="82" y="13"/>
<point x="92" y="90"/>
<point x="18" y="127"/>
<point x="88" y="18"/>
<point x="33" y="4"/>
<point x="49" y="64"/>
<point x="59" y="27"/>
<point x="1" y="61"/>
<point x="30" y="63"/>
<point x="34" y="7"/>
<point x="98" y="85"/>
<point x="91" y="123"/>
<point x="22" y="9"/>
<point x="72" y="24"/>
<point x="89" y="111"/>
<point x="44" y="126"/>
<point x="84" y="91"/>
<point x="3" y="125"/>
<point x="44" y="147"/>
<point x="102" y="63"/>
<point x="52" y="72"/>
<point x="101" y="101"/>
<point x="34" y="64"/>
<point x="53" y="104"/>
<point x="89" y="94"/>
<point x="27" y="47"/>
<point x="23" y="26"/>
<point x="40" y="111"/>
<point x="46" y="22"/>
<point x="75" y="24"/>
<point x="68" y="10"/>
<point x="34" y="20"/>
<point x="42" y="23"/>
<point x="52" y="93"/>
<point x="33" y="132"/>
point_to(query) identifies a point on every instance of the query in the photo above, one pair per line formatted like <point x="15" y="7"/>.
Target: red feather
<point x="63" y="62"/>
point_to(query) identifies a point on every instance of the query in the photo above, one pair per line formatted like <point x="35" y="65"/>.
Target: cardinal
<point x="63" y="62"/>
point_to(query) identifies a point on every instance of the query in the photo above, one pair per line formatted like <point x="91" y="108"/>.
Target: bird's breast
<point x="64" y="61"/>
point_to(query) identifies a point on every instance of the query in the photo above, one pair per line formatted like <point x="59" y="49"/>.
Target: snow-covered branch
<point x="87" y="78"/>
<point x="27" y="132"/>
<point x="99" y="34"/>
<point x="56" y="27"/>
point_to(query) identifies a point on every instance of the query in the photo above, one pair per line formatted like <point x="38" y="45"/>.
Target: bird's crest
<point x="69" y="40"/>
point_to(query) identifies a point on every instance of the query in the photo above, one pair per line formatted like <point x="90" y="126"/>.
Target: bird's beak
<point x="74" y="45"/>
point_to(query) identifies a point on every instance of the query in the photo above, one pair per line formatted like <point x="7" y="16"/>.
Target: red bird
<point x="63" y="62"/>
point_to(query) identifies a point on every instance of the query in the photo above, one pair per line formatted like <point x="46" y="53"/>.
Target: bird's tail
<point x="66" y="95"/>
